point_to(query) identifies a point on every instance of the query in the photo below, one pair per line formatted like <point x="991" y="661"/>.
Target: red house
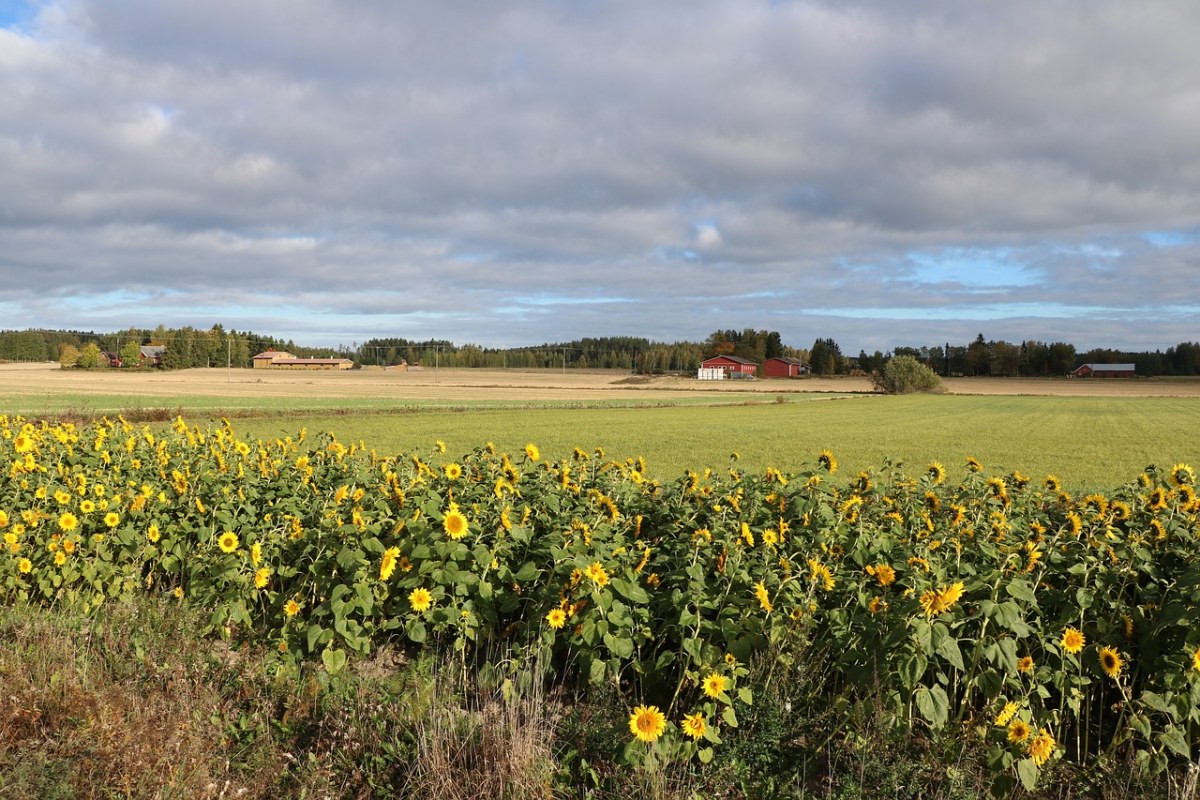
<point x="784" y="367"/>
<point x="732" y="366"/>
<point x="1105" y="371"/>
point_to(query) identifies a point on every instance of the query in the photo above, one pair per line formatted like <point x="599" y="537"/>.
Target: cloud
<point x="349" y="170"/>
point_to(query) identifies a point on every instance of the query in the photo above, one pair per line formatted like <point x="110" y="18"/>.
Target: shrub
<point x="904" y="374"/>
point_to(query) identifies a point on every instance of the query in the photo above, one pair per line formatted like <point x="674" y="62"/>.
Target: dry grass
<point x="43" y="379"/>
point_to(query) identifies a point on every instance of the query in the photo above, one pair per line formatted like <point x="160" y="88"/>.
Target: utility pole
<point x="228" y="360"/>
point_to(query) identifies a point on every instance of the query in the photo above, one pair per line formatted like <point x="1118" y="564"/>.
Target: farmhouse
<point x="784" y="367"/>
<point x="1104" y="371"/>
<point x="151" y="354"/>
<point x="719" y="367"/>
<point x="281" y="359"/>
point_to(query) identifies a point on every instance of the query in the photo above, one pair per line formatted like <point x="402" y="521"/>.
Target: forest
<point x="189" y="347"/>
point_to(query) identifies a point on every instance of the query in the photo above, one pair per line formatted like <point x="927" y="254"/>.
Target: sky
<point x="885" y="173"/>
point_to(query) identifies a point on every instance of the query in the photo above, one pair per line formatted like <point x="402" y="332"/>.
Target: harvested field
<point x="47" y="379"/>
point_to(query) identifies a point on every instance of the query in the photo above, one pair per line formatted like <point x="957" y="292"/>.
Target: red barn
<point x="731" y="366"/>
<point x="1105" y="371"/>
<point x="783" y="367"/>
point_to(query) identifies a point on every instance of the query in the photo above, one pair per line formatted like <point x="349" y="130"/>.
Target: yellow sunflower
<point x="228" y="542"/>
<point x="452" y="471"/>
<point x="598" y="575"/>
<point x="1196" y="660"/>
<point x="532" y="452"/>
<point x="764" y="599"/>
<point x="885" y="574"/>
<point x="24" y="566"/>
<point x="1018" y="731"/>
<point x="713" y="685"/>
<point x="112" y="519"/>
<point x="291" y="608"/>
<point x="935" y="472"/>
<point x="262" y="577"/>
<point x="68" y="521"/>
<point x="420" y="599"/>
<point x="455" y="523"/>
<point x="152" y="533"/>
<point x="388" y="565"/>
<point x="1025" y="664"/>
<point x="1073" y="640"/>
<point x="694" y="725"/>
<point x="1042" y="747"/>
<point x="556" y="618"/>
<point x="1007" y="713"/>
<point x="1110" y="661"/>
<point x="647" y="723"/>
<point x="1183" y="475"/>
<point x="826" y="460"/>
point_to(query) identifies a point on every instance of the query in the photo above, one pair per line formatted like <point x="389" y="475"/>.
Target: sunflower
<point x="1007" y="713"/>
<point x="452" y="471"/>
<point x="1042" y="747"/>
<point x="1196" y="660"/>
<point x="876" y="605"/>
<point x="1018" y="731"/>
<point x="25" y="566"/>
<point x="973" y="464"/>
<point x="885" y="574"/>
<point x="1073" y="640"/>
<point x="941" y="600"/>
<point x="291" y="608"/>
<point x="228" y="542"/>
<point x="764" y="599"/>
<point x="256" y="553"/>
<point x="556" y="618"/>
<point x="152" y="533"/>
<point x="388" y="565"/>
<point x="1110" y="662"/>
<point x="1157" y="499"/>
<point x="597" y="573"/>
<point x="713" y="685"/>
<point x="532" y="452"/>
<point x="455" y="523"/>
<point x="647" y="723"/>
<point x="935" y="472"/>
<point x="694" y="725"/>
<point x="1183" y="475"/>
<point x="420" y="599"/>
<point x="826" y="460"/>
<point x="87" y="506"/>
<point x="67" y="521"/>
<point x="60" y="558"/>
<point x="262" y="577"/>
<point x="112" y="519"/>
<point x="1025" y="664"/>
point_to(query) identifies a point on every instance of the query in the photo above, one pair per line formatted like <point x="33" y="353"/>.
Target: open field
<point x="1090" y="433"/>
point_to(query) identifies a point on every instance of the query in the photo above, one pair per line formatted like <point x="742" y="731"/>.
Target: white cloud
<point x="466" y="155"/>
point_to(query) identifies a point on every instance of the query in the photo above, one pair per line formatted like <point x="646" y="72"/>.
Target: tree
<point x="130" y="353"/>
<point x="68" y="355"/>
<point x="825" y="357"/>
<point x="904" y="375"/>
<point x="89" y="357"/>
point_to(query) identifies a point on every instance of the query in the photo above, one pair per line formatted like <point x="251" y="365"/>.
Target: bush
<point x="904" y="374"/>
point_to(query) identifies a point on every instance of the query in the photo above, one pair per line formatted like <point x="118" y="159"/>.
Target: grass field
<point x="1092" y="434"/>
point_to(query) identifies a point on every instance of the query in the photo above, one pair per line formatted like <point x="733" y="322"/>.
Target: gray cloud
<point x="532" y="172"/>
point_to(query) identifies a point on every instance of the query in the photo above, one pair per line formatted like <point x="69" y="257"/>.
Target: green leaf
<point x="528" y="572"/>
<point x="934" y="705"/>
<point x="705" y="755"/>
<point x="333" y="659"/>
<point x="619" y="646"/>
<point x="630" y="591"/>
<point x="597" y="672"/>
<point x="314" y="637"/>
<point x="1027" y="771"/>
<point x="1173" y="739"/>
<point x="416" y="631"/>
<point x="746" y="696"/>
<point x="730" y="717"/>
<point x="949" y="650"/>
<point x="1020" y="589"/>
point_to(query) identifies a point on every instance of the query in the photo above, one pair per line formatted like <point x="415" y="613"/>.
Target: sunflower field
<point x="1032" y="623"/>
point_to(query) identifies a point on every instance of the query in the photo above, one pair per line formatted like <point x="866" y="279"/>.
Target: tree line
<point x="189" y="347"/>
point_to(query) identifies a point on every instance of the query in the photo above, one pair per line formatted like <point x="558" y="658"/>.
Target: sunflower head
<point x="826" y="460"/>
<point x="420" y="599"/>
<point x="556" y="618"/>
<point x="1183" y="475"/>
<point x="694" y="725"/>
<point x="1073" y="640"/>
<point x="228" y="542"/>
<point x="1111" y="662"/>
<point x="713" y="684"/>
<point x="647" y="723"/>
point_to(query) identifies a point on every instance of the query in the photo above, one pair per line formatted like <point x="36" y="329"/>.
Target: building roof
<point x="787" y="360"/>
<point x="272" y="354"/>
<point x="299" y="361"/>
<point x="735" y="359"/>
<point x="1109" y="367"/>
<point x="153" y="350"/>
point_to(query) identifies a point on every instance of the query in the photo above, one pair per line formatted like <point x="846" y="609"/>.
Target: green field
<point x="1088" y="442"/>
